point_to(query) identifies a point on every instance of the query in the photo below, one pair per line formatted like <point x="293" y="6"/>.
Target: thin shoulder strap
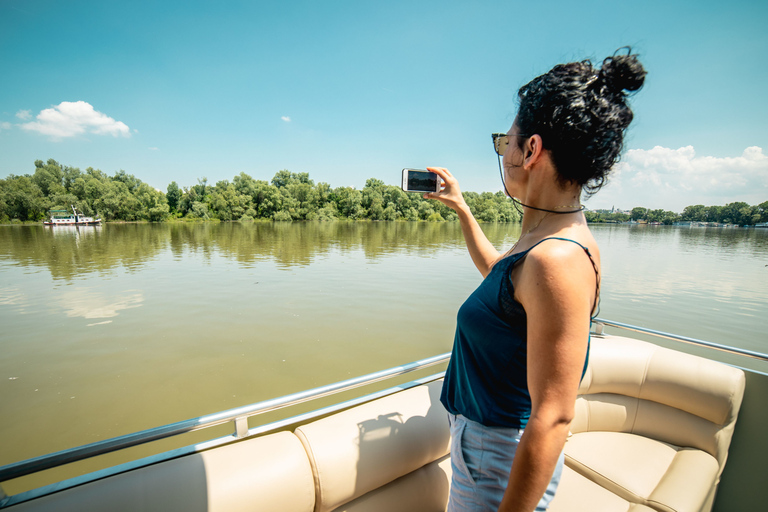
<point x="595" y="305"/>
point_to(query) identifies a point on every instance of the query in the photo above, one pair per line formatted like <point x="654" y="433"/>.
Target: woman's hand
<point x="450" y="194"/>
<point x="483" y="253"/>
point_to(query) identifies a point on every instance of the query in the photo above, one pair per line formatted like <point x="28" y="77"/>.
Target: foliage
<point x="56" y="186"/>
<point x="288" y="196"/>
<point x="739" y="213"/>
<point x="607" y="217"/>
<point x="293" y="196"/>
<point x="733" y="213"/>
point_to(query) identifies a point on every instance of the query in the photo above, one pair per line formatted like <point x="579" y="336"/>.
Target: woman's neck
<point x="537" y="208"/>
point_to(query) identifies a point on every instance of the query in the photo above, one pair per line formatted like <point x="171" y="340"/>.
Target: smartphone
<point x="417" y="180"/>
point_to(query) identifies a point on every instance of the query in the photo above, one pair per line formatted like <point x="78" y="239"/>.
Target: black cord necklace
<point x="516" y="202"/>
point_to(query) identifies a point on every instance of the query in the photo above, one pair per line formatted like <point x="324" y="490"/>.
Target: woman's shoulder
<point x="564" y="251"/>
<point x="566" y="239"/>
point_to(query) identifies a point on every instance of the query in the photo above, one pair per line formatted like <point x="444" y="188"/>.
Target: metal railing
<point x="684" y="339"/>
<point x="239" y="416"/>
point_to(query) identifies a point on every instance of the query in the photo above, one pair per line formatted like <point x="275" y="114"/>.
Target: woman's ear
<point x="533" y="150"/>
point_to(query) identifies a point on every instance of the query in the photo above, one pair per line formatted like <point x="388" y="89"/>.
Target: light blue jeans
<point x="481" y="459"/>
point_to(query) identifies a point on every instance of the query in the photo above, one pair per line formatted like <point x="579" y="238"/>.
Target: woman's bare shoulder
<point x="557" y="250"/>
<point x="559" y="265"/>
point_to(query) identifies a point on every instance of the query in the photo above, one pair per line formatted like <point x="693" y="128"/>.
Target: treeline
<point x="739" y="213"/>
<point x="288" y="196"/>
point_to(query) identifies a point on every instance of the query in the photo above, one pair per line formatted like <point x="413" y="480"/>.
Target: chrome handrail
<point x="238" y="415"/>
<point x="692" y="341"/>
<point x="8" y="501"/>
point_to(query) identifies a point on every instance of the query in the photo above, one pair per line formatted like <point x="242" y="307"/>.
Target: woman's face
<point x="512" y="161"/>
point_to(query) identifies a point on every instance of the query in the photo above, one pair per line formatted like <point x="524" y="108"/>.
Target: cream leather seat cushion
<point x="638" y="387"/>
<point x="653" y="425"/>
<point x="269" y="474"/>
<point x="643" y="470"/>
<point x="579" y="494"/>
<point x="423" y="490"/>
<point x="356" y="451"/>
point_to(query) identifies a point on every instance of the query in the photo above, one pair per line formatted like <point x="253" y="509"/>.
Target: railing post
<point x="241" y="427"/>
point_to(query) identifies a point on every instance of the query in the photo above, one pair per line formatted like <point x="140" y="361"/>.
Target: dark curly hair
<point x="581" y="114"/>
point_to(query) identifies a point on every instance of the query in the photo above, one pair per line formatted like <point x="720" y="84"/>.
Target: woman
<point x="522" y="338"/>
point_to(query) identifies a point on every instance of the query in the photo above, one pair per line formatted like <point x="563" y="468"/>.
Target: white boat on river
<point x="75" y="219"/>
<point x="656" y="429"/>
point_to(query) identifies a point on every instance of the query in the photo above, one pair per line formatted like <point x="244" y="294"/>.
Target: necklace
<point x="574" y="207"/>
<point x="528" y="232"/>
<point x="547" y="214"/>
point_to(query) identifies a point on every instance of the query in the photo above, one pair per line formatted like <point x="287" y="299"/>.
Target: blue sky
<point x="348" y="90"/>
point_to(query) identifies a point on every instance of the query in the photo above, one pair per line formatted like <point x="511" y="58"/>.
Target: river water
<point x="124" y="327"/>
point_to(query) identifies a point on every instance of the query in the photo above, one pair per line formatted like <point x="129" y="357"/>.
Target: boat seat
<point x="269" y="474"/>
<point x="651" y="433"/>
<point x="382" y="455"/>
<point x="577" y="493"/>
<point x="652" y="426"/>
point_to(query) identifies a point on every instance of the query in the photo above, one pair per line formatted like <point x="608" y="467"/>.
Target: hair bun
<point x="623" y="72"/>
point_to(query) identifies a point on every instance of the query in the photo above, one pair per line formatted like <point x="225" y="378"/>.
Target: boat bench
<point x="651" y="433"/>
<point x="652" y="429"/>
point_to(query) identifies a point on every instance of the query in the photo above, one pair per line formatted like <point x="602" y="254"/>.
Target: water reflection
<point x="91" y="304"/>
<point x="72" y="252"/>
<point x="150" y="324"/>
<point x="703" y="282"/>
<point x="11" y="296"/>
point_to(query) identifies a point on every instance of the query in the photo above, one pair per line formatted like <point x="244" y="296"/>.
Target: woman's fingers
<point x="441" y="171"/>
<point x="449" y="193"/>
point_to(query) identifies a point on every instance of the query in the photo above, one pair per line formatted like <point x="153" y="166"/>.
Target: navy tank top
<point x="486" y="379"/>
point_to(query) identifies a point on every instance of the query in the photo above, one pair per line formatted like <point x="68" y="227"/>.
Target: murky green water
<point x="119" y="328"/>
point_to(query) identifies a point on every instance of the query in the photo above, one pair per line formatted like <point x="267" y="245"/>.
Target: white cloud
<point x="69" y="119"/>
<point x="24" y="114"/>
<point x="286" y="119"/>
<point x="675" y="178"/>
<point x="5" y="126"/>
<point x="154" y="149"/>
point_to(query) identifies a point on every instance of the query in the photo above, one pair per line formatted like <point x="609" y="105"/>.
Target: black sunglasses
<point x="501" y="142"/>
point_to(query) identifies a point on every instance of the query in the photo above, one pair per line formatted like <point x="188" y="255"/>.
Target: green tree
<point x="48" y="177"/>
<point x="22" y="198"/>
<point x="762" y="210"/>
<point x="639" y="213"/>
<point x="70" y="176"/>
<point x="283" y="178"/>
<point x="695" y="213"/>
<point x="714" y="213"/>
<point x="129" y="180"/>
<point x="173" y="196"/>
<point x="349" y="202"/>
<point x="199" y="210"/>
<point x="737" y="213"/>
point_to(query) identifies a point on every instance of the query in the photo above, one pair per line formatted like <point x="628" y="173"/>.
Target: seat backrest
<point x="365" y="448"/>
<point x="638" y="387"/>
<point x="269" y="473"/>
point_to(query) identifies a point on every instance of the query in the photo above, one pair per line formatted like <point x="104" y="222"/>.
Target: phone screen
<point x="421" y="181"/>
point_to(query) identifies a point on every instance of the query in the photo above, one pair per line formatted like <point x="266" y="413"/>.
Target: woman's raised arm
<point x="483" y="253"/>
